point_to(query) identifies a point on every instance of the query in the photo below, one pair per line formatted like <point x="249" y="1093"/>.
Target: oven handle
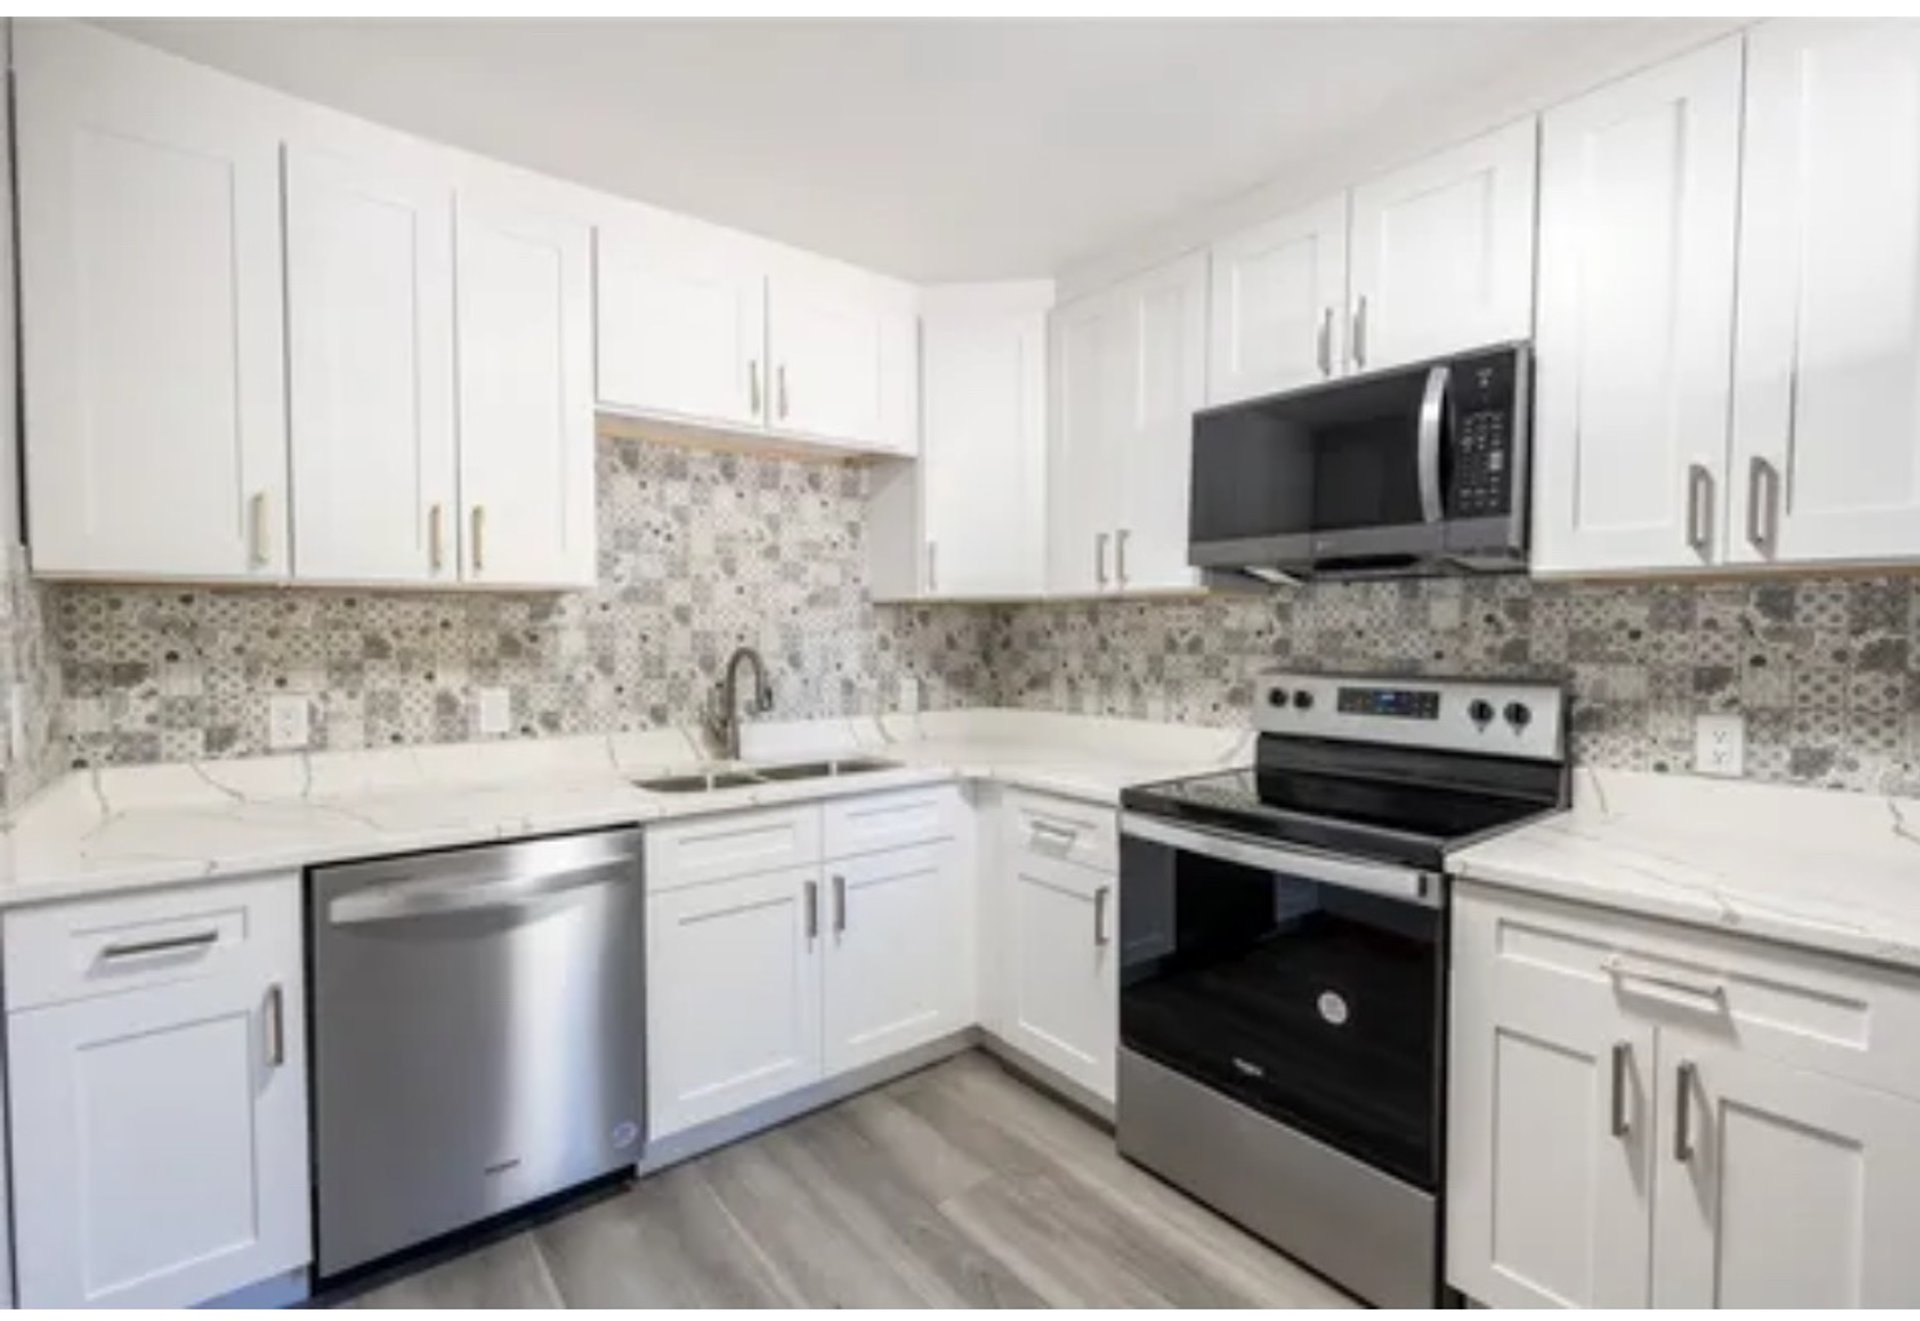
<point x="1432" y="408"/>
<point x="1403" y="883"/>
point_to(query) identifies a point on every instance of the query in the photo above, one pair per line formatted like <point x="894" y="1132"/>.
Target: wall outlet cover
<point x="287" y="721"/>
<point x="495" y="711"/>
<point x="1719" y="745"/>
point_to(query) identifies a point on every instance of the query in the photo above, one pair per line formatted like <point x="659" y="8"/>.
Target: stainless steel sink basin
<point x="814" y="770"/>
<point x="697" y="784"/>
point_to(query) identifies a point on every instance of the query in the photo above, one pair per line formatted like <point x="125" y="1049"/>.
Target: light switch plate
<point x="496" y="710"/>
<point x="1719" y="745"/>
<point x="287" y="721"/>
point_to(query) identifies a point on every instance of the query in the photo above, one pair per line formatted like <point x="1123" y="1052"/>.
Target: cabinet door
<point x="733" y="1007"/>
<point x="1786" y="1188"/>
<point x="683" y="323"/>
<point x="154" y="384"/>
<point x="983" y="455"/>
<point x="1442" y="254"/>
<point x="525" y="331"/>
<point x="370" y="360"/>
<point x="1083" y="481"/>
<point x="1550" y="1129"/>
<point x="160" y="1143"/>
<point x="1059" y="965"/>
<point x="845" y="364"/>
<point x="1279" y="299"/>
<point x="894" y="972"/>
<point x="1826" y="452"/>
<point x="1639" y="186"/>
<point x="1163" y="369"/>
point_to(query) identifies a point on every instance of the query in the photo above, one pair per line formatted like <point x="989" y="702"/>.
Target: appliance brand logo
<point x="625" y="1134"/>
<point x="1249" y="1068"/>
<point x="1333" y="1008"/>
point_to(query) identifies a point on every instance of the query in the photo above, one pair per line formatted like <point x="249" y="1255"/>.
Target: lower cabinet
<point x="1642" y="1115"/>
<point x="159" y="1132"/>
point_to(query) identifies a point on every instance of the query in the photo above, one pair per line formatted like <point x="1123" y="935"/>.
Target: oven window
<point x="1318" y="1005"/>
<point x="1322" y="462"/>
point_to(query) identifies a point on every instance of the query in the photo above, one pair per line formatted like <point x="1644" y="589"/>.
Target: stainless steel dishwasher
<point x="478" y="1025"/>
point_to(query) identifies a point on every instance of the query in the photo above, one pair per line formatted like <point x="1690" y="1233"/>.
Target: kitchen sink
<point x="814" y="770"/>
<point x="697" y="784"/>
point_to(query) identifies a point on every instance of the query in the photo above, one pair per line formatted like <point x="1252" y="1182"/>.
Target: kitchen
<point x="1355" y="742"/>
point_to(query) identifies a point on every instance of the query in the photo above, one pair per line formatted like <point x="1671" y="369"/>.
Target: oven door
<point x="1307" y="986"/>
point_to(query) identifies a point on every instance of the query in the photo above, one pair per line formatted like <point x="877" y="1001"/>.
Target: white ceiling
<point x="935" y="150"/>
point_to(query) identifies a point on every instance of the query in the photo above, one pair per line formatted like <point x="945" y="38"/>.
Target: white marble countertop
<point x="129" y="828"/>
<point x="1837" y="872"/>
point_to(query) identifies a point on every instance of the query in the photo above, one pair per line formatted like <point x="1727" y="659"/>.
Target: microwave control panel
<point x="1484" y="395"/>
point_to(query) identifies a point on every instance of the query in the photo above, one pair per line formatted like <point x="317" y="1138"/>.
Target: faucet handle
<point x="763" y="699"/>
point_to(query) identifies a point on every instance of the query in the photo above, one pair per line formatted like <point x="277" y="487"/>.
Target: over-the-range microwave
<point x="1408" y="471"/>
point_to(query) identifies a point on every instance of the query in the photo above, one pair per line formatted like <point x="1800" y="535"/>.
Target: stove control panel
<point x="1455" y="715"/>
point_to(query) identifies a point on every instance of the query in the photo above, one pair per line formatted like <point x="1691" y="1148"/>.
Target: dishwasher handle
<point x="433" y="898"/>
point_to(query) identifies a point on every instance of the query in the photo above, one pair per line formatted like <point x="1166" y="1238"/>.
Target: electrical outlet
<point x="496" y="710"/>
<point x="909" y="695"/>
<point x="287" y="721"/>
<point x="1719" y="745"/>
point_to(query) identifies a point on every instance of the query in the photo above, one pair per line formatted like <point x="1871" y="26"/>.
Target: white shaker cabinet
<point x="158" y="1099"/>
<point x="1083" y="457"/>
<point x="682" y="321"/>
<point x="525" y="392"/>
<point x="150" y="266"/>
<point x="845" y="360"/>
<point x="1442" y="252"/>
<point x="370" y="351"/>
<point x="1826" y="433"/>
<point x="1639" y="194"/>
<point x="1278" y="317"/>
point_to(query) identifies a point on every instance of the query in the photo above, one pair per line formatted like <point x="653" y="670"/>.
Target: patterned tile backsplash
<point x="702" y="552"/>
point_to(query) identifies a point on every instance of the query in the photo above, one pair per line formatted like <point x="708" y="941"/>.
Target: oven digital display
<point x="1407" y="703"/>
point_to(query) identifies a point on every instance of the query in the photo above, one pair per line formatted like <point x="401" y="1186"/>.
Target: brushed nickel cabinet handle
<point x="276" y="1026"/>
<point x="1100" y="933"/>
<point x="753" y="386"/>
<point x="166" y="945"/>
<point x="1763" y="505"/>
<point x="839" y="904"/>
<point x="257" y="530"/>
<point x="436" y="537"/>
<point x="1622" y="1061"/>
<point x="1358" y="335"/>
<point x="933" y="566"/>
<point x="782" y="389"/>
<point x="1100" y="559"/>
<point x="1683" y="1078"/>
<point x="813" y="909"/>
<point x="479" y="518"/>
<point x="1323" y="348"/>
<point x="1699" y="507"/>
<point x="1120" y="558"/>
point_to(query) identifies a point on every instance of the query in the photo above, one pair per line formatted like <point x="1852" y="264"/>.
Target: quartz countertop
<point x="1837" y="872"/>
<point x="120" y="829"/>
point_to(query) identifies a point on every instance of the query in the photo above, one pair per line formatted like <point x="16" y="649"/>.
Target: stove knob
<point x="1277" y="697"/>
<point x="1518" y="715"/>
<point x="1480" y="712"/>
<point x="1303" y="700"/>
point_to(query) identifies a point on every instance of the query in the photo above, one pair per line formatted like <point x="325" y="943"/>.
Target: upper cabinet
<point x="1639" y="194"/>
<point x="968" y="521"/>
<point x="703" y="327"/>
<point x="525" y="391"/>
<point x="1442" y="252"/>
<point x="1129" y="372"/>
<point x="1826" y="430"/>
<point x="150" y="269"/>
<point x="1279" y="304"/>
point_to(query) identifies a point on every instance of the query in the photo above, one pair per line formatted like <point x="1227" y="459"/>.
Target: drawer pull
<point x="1622" y="1060"/>
<point x="1100" y="933"/>
<point x="1713" y="992"/>
<point x="276" y="1026"/>
<point x="1683" y="1111"/>
<point x="140" y="949"/>
<point x="1062" y="835"/>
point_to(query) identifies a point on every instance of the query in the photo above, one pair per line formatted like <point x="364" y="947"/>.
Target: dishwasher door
<point x="478" y="1035"/>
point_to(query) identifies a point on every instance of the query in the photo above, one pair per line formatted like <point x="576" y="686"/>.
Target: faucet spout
<point x="724" y="719"/>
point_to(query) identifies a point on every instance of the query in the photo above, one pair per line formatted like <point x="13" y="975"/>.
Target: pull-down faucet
<point x="723" y="704"/>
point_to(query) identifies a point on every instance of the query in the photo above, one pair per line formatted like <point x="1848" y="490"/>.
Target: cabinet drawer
<point x="888" y="820"/>
<point x="1080" y="833"/>
<point x="90" y="947"/>
<point x="713" y="848"/>
<point x="1834" y="1016"/>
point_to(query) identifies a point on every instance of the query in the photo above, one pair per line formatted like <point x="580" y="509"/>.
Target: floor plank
<point x="505" y="1274"/>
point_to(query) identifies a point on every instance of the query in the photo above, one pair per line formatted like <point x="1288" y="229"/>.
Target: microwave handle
<point x="1433" y="406"/>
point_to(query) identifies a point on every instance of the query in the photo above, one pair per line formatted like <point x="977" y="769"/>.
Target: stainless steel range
<point x="1284" y="960"/>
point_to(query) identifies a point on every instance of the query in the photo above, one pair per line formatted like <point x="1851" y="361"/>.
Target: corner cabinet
<point x="151" y="303"/>
<point x="156" y="1056"/>
<point x="1641" y="1115"/>
<point x="1128" y="373"/>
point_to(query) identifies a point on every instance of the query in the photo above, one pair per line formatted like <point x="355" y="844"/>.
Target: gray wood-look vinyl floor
<point x="959" y="1186"/>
